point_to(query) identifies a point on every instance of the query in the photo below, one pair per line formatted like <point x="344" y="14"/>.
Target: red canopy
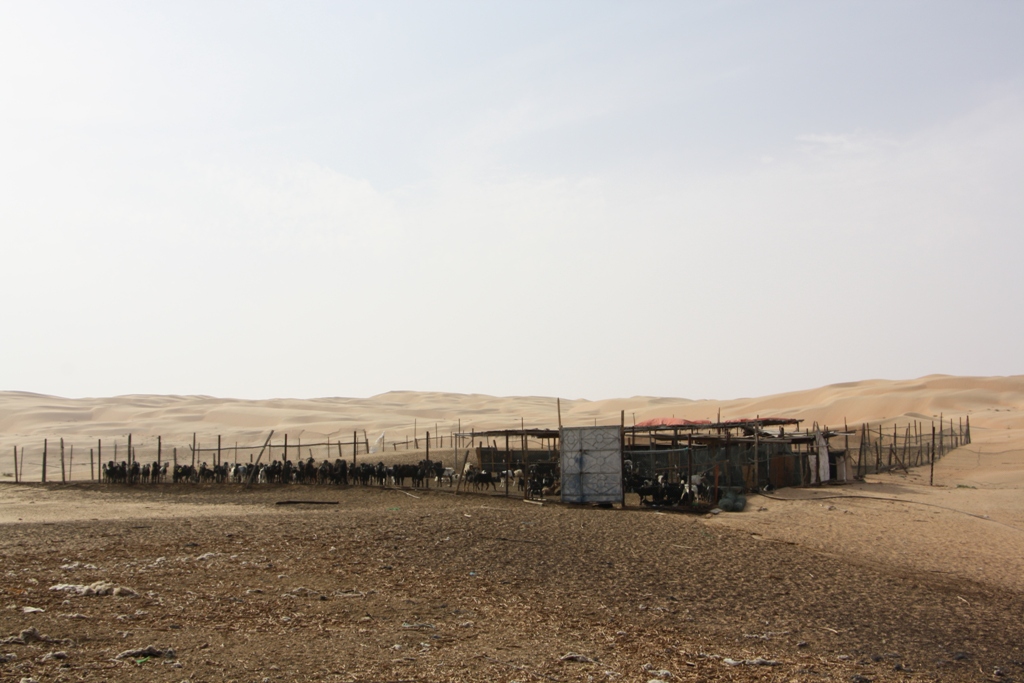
<point x="671" y="422"/>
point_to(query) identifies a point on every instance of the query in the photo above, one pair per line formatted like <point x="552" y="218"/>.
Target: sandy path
<point x="970" y="525"/>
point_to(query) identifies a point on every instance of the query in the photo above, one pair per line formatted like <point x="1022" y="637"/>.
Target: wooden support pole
<point x="218" y="450"/>
<point x="284" y="457"/>
<point x="622" y="456"/>
<point x="44" y="459"/>
<point x="846" y="452"/>
<point x="689" y="467"/>
<point x="129" y="451"/>
<point x="92" y="475"/>
<point x="193" y="449"/>
<point x="508" y="460"/>
<point x="878" y="451"/>
<point x="353" y="449"/>
<point x="526" y="459"/>
<point x="906" y="445"/>
<point x="860" y="451"/>
<point x="942" y="440"/>
<point x="889" y="459"/>
<point x="159" y="449"/>
<point x="71" y="462"/>
<point x="63" y="477"/>
<point x="916" y="441"/>
<point x="931" y="475"/>
<point x="757" y="457"/>
<point x="15" y="464"/>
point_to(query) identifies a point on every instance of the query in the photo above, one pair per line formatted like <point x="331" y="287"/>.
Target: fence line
<point x="912" y="445"/>
<point x="48" y="461"/>
<point x="869" y="449"/>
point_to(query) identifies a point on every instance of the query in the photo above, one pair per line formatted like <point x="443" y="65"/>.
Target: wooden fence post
<point x="942" y="439"/>
<point x="931" y="467"/>
<point x="757" y="455"/>
<point x="193" y="449"/>
<point x="71" y="463"/>
<point x="933" y="442"/>
<point x="44" y="459"/>
<point x="159" y="449"/>
<point x="92" y="472"/>
<point x="860" y="451"/>
<point x="878" y="451"/>
<point x="218" y="450"/>
<point x="917" y="439"/>
<point x="131" y="455"/>
<point x="889" y="456"/>
<point x="906" y="445"/>
<point x="15" y="464"/>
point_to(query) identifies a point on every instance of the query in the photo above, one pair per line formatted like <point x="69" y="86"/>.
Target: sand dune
<point x="26" y="418"/>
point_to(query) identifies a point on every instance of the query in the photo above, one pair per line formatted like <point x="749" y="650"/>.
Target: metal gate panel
<point x="591" y="464"/>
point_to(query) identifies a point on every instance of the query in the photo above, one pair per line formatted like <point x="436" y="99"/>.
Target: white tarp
<point x="591" y="463"/>
<point x="823" y="469"/>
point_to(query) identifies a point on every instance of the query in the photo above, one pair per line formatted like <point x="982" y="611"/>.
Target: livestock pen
<point x="533" y="452"/>
<point x="751" y="454"/>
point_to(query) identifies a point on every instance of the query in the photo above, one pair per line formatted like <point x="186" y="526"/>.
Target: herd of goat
<point x="339" y="472"/>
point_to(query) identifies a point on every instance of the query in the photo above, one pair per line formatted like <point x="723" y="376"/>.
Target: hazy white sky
<point x="583" y="199"/>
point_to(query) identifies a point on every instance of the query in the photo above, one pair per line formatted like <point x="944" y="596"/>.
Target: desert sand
<point x="993" y="403"/>
<point x="886" y="579"/>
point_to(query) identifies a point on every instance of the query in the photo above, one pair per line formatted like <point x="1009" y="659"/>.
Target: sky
<point x="576" y="199"/>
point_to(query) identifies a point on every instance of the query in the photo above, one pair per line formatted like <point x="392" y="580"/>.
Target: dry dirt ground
<point x="385" y="586"/>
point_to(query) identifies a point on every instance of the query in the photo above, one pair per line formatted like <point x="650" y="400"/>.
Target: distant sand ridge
<point x="26" y="419"/>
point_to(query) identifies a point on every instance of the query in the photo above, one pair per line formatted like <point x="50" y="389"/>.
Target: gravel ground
<point x="385" y="586"/>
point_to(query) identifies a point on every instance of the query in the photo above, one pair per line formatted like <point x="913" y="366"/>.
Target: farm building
<point x="748" y="453"/>
<point x="743" y="453"/>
